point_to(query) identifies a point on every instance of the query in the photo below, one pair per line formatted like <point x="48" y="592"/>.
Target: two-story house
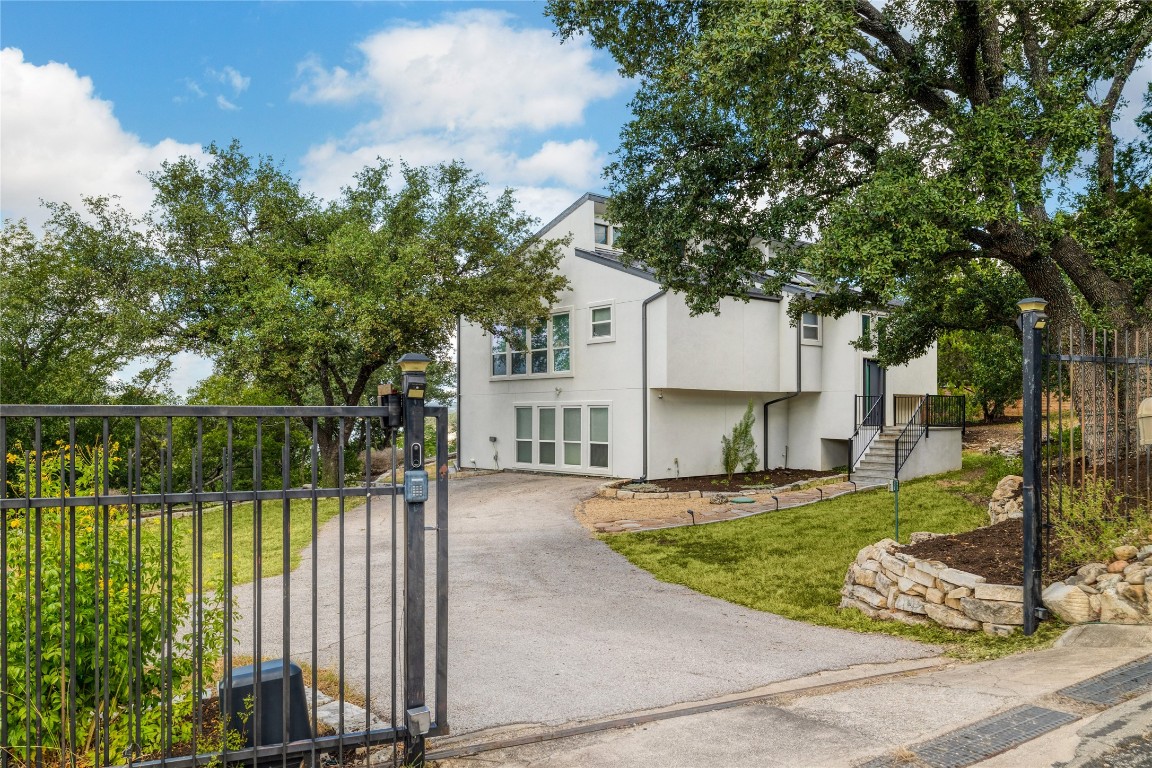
<point x="622" y="381"/>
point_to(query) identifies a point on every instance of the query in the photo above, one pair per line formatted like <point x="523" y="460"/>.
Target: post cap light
<point x="1032" y="305"/>
<point x="414" y="362"/>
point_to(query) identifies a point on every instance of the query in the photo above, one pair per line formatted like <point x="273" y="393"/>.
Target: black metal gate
<point x="183" y="585"/>
<point x="1082" y="393"/>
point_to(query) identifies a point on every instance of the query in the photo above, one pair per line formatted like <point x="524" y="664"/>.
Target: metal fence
<point x="1083" y="463"/>
<point x="185" y="585"/>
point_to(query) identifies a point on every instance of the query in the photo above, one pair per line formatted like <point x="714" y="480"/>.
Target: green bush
<point x="1093" y="522"/>
<point x="739" y="450"/>
<point x="83" y="563"/>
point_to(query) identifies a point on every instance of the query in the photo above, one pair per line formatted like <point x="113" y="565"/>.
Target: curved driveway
<point x="546" y="624"/>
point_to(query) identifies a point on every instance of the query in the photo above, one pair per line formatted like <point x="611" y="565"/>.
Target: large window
<point x="570" y="437"/>
<point x="545" y="349"/>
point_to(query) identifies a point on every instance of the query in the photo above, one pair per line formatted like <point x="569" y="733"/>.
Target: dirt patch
<point x="994" y="552"/>
<point x="771" y="478"/>
<point x="1004" y="436"/>
<point x="599" y="510"/>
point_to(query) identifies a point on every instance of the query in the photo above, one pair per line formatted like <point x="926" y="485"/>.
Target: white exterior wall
<point x="702" y="373"/>
<point x="938" y="451"/>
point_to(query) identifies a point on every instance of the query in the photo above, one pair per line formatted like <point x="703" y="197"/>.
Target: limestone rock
<point x="909" y="603"/>
<point x="863" y="577"/>
<point x="958" y="593"/>
<point x="625" y="494"/>
<point x="1007" y="500"/>
<point x="947" y="617"/>
<point x="919" y="576"/>
<point x="1005" y="592"/>
<point x="934" y="596"/>
<point x="1117" y="566"/>
<point x="882" y="583"/>
<point x="1089" y="573"/>
<point x="1125" y="552"/>
<point x="961" y="578"/>
<point x="1000" y="630"/>
<point x="920" y="536"/>
<point x="1135" y="575"/>
<point x="1116" y="609"/>
<point x="993" y="611"/>
<point x="1071" y="604"/>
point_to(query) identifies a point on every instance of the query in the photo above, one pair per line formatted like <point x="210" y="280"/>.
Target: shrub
<point x="82" y="562"/>
<point x="1094" y="522"/>
<point x="739" y="450"/>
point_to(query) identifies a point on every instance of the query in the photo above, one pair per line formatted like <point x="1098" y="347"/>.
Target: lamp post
<point x="1032" y="321"/>
<point x="418" y="717"/>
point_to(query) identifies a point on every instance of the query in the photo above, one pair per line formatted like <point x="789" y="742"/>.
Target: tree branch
<point x="873" y="23"/>
<point x="1106" y="159"/>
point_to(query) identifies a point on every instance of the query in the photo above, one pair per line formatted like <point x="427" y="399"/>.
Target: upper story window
<point x="601" y="316"/>
<point x="607" y="235"/>
<point x="542" y="350"/>
<point x="810" y="327"/>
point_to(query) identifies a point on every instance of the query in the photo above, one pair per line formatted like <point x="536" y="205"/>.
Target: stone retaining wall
<point x="884" y="583"/>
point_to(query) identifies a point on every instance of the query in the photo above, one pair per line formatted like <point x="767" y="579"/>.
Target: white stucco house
<point x="624" y="382"/>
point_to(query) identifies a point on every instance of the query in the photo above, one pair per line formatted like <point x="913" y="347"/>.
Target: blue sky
<point x="95" y="94"/>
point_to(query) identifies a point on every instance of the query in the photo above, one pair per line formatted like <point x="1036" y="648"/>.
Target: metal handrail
<point x="905" y="442"/>
<point x="866" y="423"/>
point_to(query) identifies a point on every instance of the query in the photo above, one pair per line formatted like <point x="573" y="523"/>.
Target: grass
<point x="792" y="563"/>
<point x="244" y="535"/>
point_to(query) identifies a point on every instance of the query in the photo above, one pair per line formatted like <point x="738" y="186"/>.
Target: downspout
<point x="459" y="410"/>
<point x="644" y="376"/>
<point x="781" y="399"/>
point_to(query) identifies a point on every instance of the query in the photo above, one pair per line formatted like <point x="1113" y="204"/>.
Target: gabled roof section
<point x="568" y="211"/>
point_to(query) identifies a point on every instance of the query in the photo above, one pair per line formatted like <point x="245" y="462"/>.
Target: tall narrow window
<point x="598" y="437"/>
<point x="547" y="444"/>
<point x="601" y="234"/>
<point x="499" y="354"/>
<point x="572" y="436"/>
<point x="540" y="349"/>
<point x="601" y="323"/>
<point x="561" y="344"/>
<point x="518" y="340"/>
<point x="524" y="435"/>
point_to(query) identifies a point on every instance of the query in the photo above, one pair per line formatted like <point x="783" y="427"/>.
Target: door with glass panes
<point x="564" y="437"/>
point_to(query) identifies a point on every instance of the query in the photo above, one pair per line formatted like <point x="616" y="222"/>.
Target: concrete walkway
<point x="547" y="626"/>
<point x="832" y="720"/>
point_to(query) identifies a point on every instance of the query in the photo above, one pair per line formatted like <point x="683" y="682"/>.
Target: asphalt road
<point x="546" y="624"/>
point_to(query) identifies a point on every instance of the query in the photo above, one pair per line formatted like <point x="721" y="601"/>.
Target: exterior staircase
<point x="878" y="464"/>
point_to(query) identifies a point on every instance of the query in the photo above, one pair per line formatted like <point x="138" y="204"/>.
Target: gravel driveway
<point x="546" y="624"/>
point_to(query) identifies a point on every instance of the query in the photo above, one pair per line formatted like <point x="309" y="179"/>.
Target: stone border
<point x="612" y="490"/>
<point x="887" y="584"/>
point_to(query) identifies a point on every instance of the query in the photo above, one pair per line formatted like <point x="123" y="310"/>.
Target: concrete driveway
<point x="546" y="624"/>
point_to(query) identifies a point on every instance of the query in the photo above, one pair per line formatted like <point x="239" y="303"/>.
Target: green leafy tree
<point x="985" y="366"/>
<point x="910" y="140"/>
<point x="312" y="301"/>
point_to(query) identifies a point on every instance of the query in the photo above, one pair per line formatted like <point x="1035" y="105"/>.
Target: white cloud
<point x="60" y="141"/>
<point x="468" y="86"/>
<point x="230" y="77"/>
<point x="224" y="104"/>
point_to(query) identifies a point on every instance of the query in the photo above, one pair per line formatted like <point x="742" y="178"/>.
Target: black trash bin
<point x="242" y="715"/>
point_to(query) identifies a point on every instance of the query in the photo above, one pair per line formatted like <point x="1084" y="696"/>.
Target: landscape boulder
<point x="1007" y="500"/>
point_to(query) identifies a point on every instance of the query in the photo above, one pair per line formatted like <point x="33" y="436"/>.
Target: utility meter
<point x="415" y="485"/>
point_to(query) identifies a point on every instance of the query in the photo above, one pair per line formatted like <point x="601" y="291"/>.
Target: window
<point x="598" y="437"/>
<point x="545" y="349"/>
<point x="866" y="326"/>
<point x="524" y="435"/>
<point x="547" y="443"/>
<point x="810" y="327"/>
<point x="601" y="323"/>
<point x="570" y="437"/>
<point x="607" y="235"/>
<point x="601" y="234"/>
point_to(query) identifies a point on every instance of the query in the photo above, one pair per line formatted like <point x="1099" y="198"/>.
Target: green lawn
<point x="243" y="536"/>
<point x="793" y="562"/>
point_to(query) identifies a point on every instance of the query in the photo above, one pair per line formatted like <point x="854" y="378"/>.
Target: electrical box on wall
<point x="1144" y="418"/>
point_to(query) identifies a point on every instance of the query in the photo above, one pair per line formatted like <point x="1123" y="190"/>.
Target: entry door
<point x="873" y="394"/>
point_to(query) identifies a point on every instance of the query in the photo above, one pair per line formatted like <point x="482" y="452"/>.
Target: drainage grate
<point x="1115" y="686"/>
<point x="989" y="737"/>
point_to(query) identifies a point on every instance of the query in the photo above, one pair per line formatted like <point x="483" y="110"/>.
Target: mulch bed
<point x="995" y="552"/>
<point x="772" y="477"/>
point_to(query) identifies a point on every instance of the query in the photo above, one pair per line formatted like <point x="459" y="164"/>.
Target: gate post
<point x="417" y="714"/>
<point x="1032" y="320"/>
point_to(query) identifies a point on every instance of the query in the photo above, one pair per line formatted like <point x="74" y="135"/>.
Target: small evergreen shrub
<point x="739" y="450"/>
